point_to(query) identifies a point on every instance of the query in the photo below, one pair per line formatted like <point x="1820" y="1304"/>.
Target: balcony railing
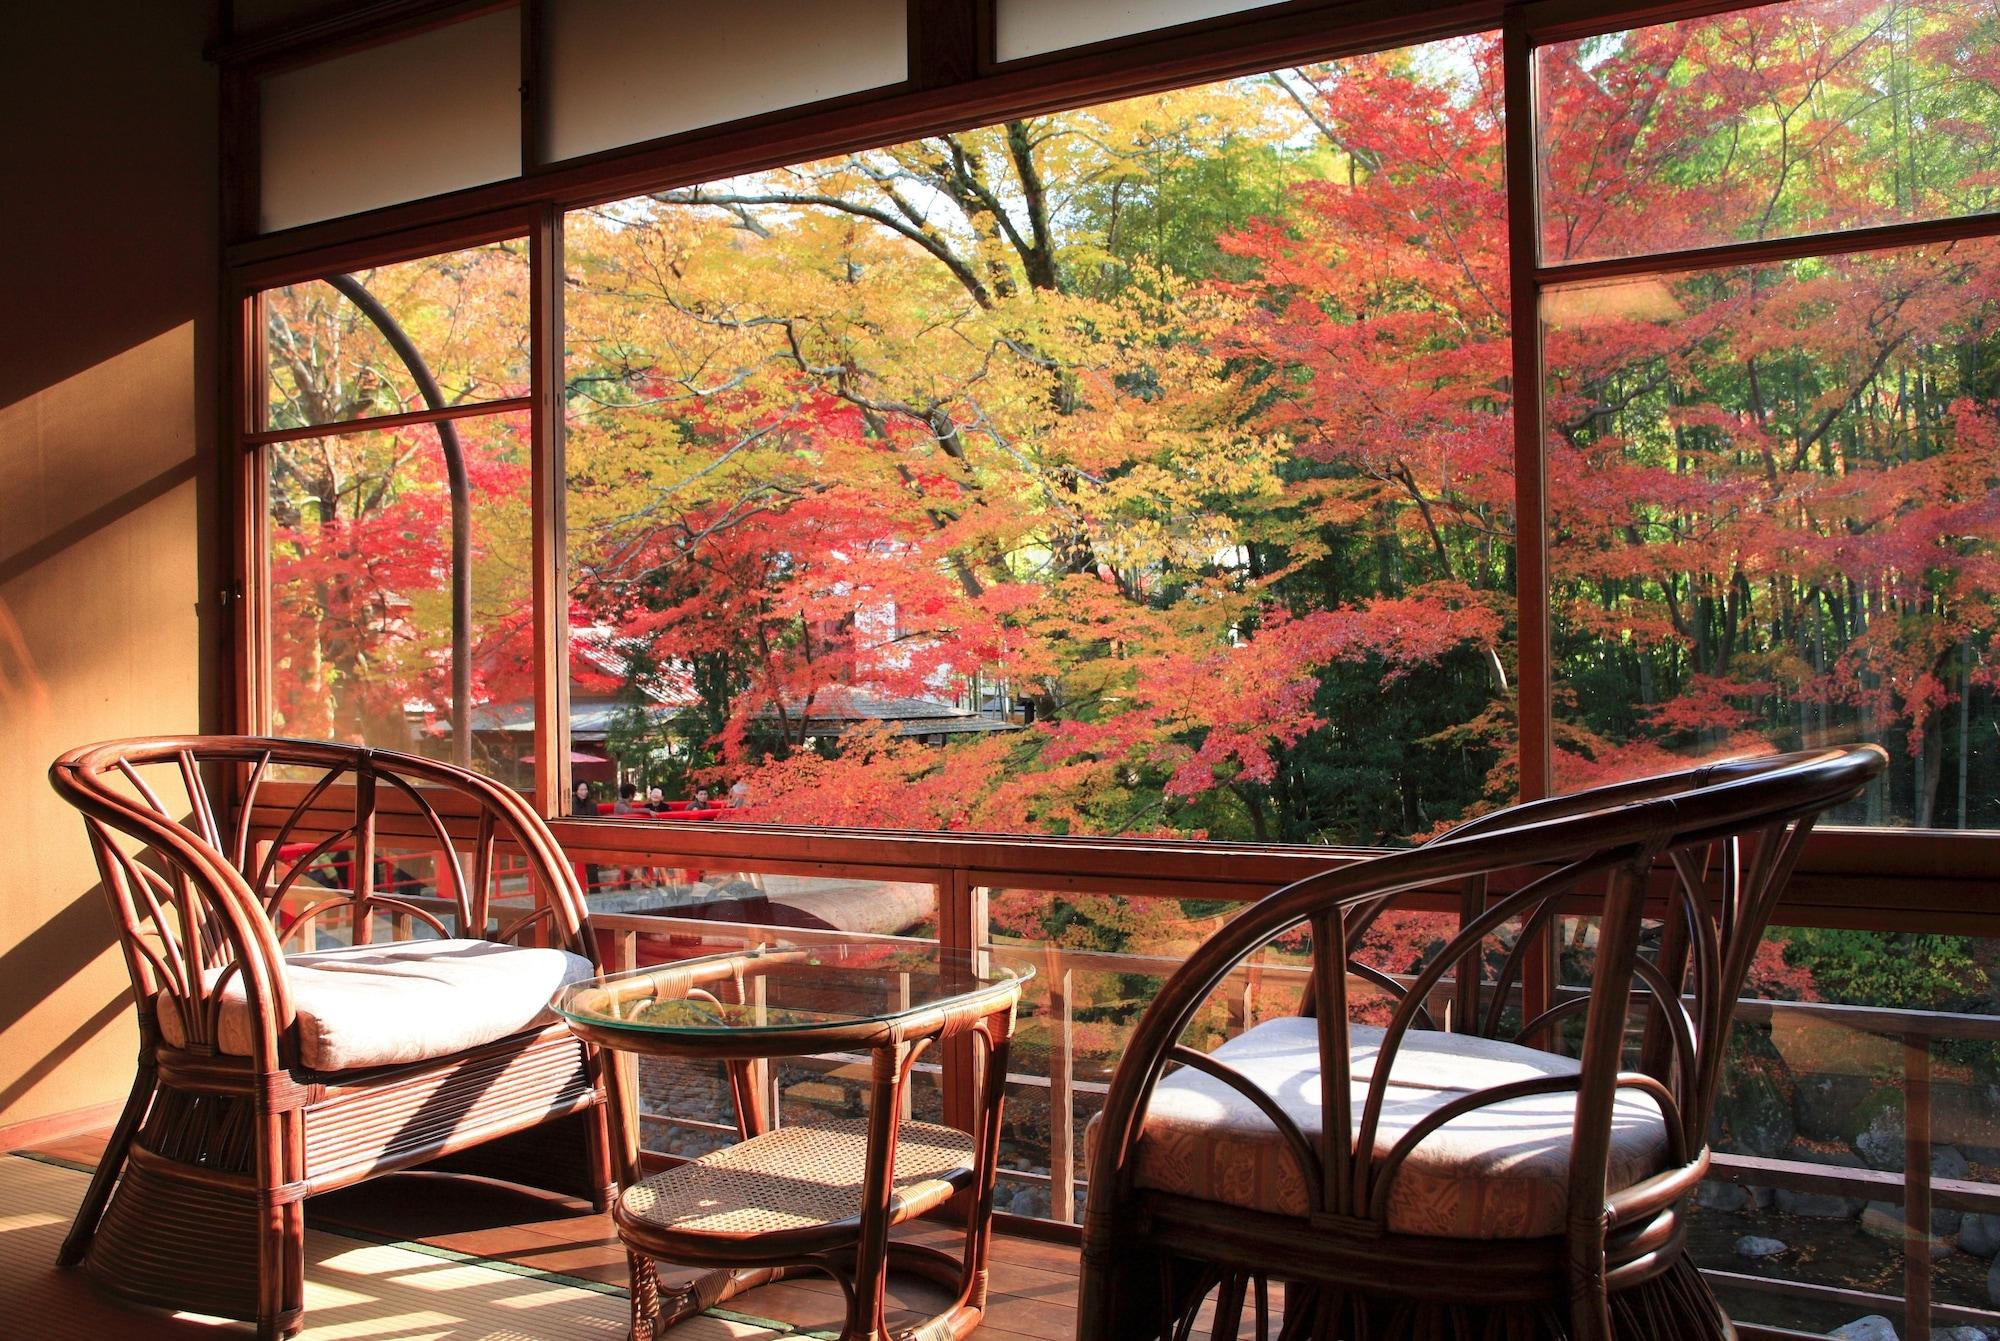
<point x="965" y="872"/>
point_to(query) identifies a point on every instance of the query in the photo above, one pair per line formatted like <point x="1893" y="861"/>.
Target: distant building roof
<point x="603" y="650"/>
<point x="843" y="708"/>
<point x="592" y="719"/>
<point x="600" y="651"/>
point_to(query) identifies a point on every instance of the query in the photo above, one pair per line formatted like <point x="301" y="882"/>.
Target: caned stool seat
<point x="803" y="1184"/>
<point x="821" y="1197"/>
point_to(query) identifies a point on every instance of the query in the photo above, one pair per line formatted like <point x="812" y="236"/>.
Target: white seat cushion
<point x="400" y="1001"/>
<point x="1500" y="1172"/>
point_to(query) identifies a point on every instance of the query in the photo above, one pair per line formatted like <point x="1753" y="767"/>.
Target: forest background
<point x="1186" y="422"/>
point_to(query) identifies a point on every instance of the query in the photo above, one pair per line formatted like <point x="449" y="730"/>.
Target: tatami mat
<point x="355" y="1291"/>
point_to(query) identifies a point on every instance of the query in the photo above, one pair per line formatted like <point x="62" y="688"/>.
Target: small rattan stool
<point x="797" y="1187"/>
<point x="819" y="1197"/>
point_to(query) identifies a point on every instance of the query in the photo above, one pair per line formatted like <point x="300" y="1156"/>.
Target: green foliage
<point x="1172" y="210"/>
<point x="1908" y="970"/>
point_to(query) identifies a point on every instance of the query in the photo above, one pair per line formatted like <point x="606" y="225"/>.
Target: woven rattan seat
<point x="798" y="1179"/>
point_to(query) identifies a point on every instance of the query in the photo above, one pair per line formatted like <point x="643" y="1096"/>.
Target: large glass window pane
<point x="328" y="359"/>
<point x="1099" y="961"/>
<point x="1138" y="469"/>
<point x="1822" y="1079"/>
<point x="1806" y="116"/>
<point x="1775" y="494"/>
<point x="362" y="637"/>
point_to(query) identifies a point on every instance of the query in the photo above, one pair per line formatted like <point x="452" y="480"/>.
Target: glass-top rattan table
<point x="821" y="1196"/>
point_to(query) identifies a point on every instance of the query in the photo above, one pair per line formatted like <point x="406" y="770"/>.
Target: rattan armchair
<point x="270" y="1071"/>
<point x="1434" y="1177"/>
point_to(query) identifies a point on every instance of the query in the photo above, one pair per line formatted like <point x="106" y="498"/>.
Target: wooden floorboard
<point x="1033" y="1282"/>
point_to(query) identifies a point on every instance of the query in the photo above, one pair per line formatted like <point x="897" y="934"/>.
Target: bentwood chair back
<point x="1449" y="1172"/>
<point x="273" y="1067"/>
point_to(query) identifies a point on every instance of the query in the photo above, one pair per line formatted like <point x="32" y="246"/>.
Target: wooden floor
<point x="1034" y="1282"/>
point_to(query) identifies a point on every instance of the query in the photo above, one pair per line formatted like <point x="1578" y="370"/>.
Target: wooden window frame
<point x="1883" y="879"/>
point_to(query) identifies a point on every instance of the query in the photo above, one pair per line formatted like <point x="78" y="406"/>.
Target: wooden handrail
<point x="1133" y="868"/>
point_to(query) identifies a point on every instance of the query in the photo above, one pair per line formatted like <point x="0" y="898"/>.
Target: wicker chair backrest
<point x="212" y="892"/>
<point x="1707" y="851"/>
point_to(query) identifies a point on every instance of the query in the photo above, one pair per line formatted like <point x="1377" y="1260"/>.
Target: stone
<point x="1979" y="1235"/>
<point x="1718" y="1196"/>
<point x="1993" y="1283"/>
<point x="1817" y="1205"/>
<point x="1947" y="1162"/>
<point x="1754" y="1115"/>
<point x="1874" y="1327"/>
<point x="1884" y="1220"/>
<point x="1962" y="1334"/>
<point x="1822" y="1105"/>
<point x="1963" y="1112"/>
<point x="1877" y="1131"/>
<point x="1731" y="1198"/>
<point x="1755" y="1247"/>
<point x="1834" y="1068"/>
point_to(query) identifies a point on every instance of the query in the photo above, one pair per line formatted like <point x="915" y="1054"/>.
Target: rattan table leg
<point x="866" y="1305"/>
<point x="654" y="1310"/>
<point x="645" y="1296"/>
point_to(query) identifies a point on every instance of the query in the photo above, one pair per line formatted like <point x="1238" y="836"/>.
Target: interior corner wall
<point x="113" y="534"/>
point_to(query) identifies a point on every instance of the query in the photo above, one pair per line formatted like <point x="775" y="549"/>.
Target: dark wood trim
<point x="383" y="422"/>
<point x="31" y="1132"/>
<point x="1533" y="674"/>
<point x="1906" y="854"/>
<point x="534" y="42"/>
<point x="1007" y="860"/>
<point x="549" y="480"/>
<point x="242" y="177"/>
<point x="1532" y="677"/>
<point x="453" y="234"/>
<point x="1551" y="21"/>
<point x="945" y="42"/>
<point x="1770" y="251"/>
<point x="241" y="404"/>
<point x="250" y="505"/>
<point x="962" y="925"/>
<point x="1863" y="879"/>
<point x="984" y="27"/>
